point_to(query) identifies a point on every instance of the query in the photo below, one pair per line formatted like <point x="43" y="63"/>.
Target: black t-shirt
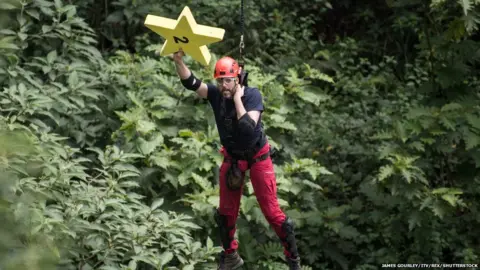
<point x="252" y="101"/>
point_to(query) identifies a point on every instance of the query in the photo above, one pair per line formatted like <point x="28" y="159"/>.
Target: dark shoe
<point x="230" y="261"/>
<point x="293" y="263"/>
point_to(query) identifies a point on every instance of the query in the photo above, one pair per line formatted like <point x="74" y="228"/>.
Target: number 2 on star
<point x="177" y="39"/>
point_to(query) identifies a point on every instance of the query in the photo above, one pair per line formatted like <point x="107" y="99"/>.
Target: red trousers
<point x="264" y="184"/>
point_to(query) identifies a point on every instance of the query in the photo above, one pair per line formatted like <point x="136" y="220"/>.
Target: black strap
<point x="230" y="123"/>
<point x="260" y="158"/>
<point x="250" y="161"/>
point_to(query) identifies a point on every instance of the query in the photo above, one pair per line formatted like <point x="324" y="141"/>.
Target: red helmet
<point x="226" y="67"/>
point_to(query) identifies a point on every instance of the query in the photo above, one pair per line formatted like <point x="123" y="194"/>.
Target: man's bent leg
<point x="265" y="186"/>
<point x="227" y="213"/>
<point x="226" y="218"/>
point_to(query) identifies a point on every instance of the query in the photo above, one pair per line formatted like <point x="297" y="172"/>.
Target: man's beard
<point x="231" y="91"/>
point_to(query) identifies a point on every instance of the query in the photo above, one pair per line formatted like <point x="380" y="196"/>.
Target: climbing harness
<point x="243" y="75"/>
<point x="234" y="175"/>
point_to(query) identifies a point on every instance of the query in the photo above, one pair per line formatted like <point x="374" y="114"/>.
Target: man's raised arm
<point x="187" y="78"/>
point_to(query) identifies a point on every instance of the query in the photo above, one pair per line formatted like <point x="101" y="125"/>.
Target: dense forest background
<point x="108" y="163"/>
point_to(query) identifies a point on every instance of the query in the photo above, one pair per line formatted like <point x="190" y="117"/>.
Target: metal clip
<point x="242" y="44"/>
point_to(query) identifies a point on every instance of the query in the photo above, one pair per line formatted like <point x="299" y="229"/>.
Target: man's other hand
<point x="239" y="92"/>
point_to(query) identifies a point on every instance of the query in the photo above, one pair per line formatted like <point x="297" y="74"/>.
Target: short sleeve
<point x="253" y="100"/>
<point x="212" y="92"/>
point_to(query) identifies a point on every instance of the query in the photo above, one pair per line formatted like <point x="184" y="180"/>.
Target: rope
<point x="241" y="62"/>
<point x="242" y="44"/>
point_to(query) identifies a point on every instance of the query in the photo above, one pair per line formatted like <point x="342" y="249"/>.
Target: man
<point x="238" y="111"/>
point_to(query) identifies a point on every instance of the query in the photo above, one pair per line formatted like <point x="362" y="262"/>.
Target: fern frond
<point x="271" y="250"/>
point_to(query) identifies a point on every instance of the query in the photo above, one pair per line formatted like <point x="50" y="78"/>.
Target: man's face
<point x="226" y="86"/>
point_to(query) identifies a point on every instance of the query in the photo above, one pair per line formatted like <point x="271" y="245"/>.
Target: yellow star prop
<point x="184" y="33"/>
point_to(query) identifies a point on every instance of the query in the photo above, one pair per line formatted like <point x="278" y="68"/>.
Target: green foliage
<point x="107" y="162"/>
<point x="54" y="77"/>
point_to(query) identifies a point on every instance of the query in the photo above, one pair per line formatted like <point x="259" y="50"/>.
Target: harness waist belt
<point x="252" y="160"/>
